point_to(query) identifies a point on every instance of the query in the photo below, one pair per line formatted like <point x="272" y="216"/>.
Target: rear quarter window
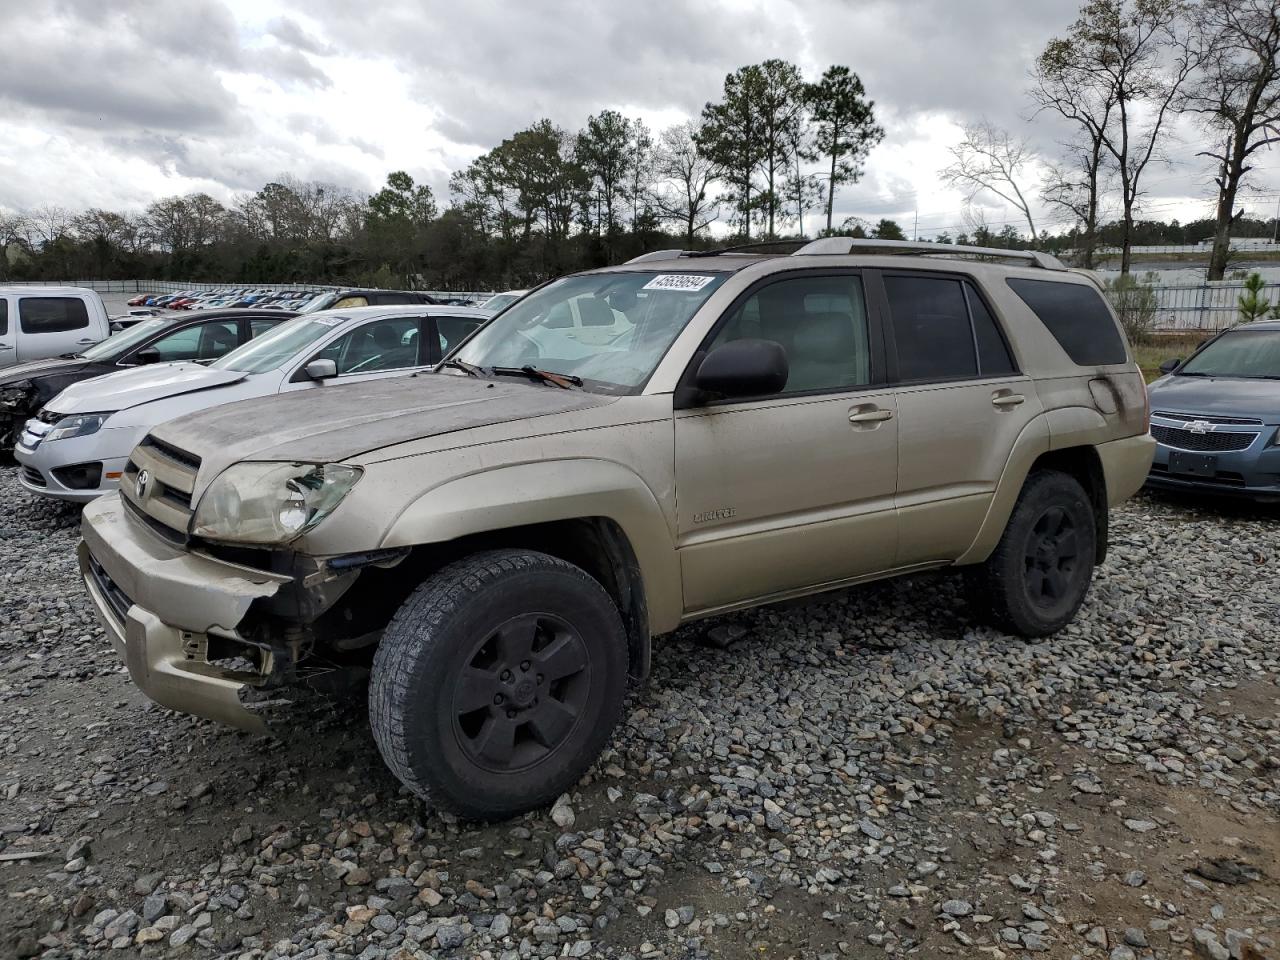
<point x="1078" y="318"/>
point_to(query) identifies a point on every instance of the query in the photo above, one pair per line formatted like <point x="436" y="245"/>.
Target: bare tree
<point x="686" y="177"/>
<point x="1237" y="94"/>
<point x="1076" y="184"/>
<point x="46" y="225"/>
<point x="1139" y="53"/>
<point x="991" y="160"/>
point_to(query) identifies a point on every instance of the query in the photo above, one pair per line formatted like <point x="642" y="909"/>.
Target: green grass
<point x="1157" y="349"/>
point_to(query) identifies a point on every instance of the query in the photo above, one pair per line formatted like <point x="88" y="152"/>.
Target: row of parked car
<point x="233" y="297"/>
<point x="492" y="516"/>
<point x="308" y="301"/>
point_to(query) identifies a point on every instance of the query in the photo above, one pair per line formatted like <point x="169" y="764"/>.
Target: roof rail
<point x="746" y="247"/>
<point x="657" y="255"/>
<point x="829" y="246"/>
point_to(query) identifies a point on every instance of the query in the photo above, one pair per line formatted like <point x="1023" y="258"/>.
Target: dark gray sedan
<point x="1216" y="416"/>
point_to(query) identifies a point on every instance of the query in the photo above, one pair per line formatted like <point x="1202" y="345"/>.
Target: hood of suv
<point x="1217" y="397"/>
<point x="332" y="423"/>
<point x="129" y="388"/>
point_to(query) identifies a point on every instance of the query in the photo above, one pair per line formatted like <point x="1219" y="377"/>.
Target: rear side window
<point x="931" y="329"/>
<point x="52" y="314"/>
<point x="993" y="352"/>
<point x="1077" y="317"/>
<point x="453" y="330"/>
<point x="4" y="316"/>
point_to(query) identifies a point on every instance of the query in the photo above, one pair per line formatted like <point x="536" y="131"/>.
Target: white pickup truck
<point x="38" y="322"/>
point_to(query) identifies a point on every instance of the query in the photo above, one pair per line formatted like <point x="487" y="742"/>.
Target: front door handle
<point x="87" y="341"/>
<point x="1007" y="399"/>
<point x="871" y="416"/>
<point x="5" y="346"/>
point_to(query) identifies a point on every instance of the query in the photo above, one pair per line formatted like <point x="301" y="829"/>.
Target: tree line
<point x="767" y="158"/>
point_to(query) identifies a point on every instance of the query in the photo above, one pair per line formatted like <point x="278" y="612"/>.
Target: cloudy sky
<point x="115" y="104"/>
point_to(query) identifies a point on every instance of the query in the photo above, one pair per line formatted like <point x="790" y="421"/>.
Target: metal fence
<point x="1203" y="306"/>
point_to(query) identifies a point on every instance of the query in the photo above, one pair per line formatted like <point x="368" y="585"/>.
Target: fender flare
<point x="1051" y="430"/>
<point x="545" y="491"/>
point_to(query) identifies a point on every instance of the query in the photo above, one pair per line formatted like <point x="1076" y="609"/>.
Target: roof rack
<point x="657" y="255"/>
<point x="834" y="246"/>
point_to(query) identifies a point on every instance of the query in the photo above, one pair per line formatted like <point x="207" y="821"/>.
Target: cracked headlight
<point x="271" y="502"/>
<point x="77" y="426"/>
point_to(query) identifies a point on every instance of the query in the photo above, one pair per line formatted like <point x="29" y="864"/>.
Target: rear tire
<point x="1038" y="575"/>
<point x="498" y="682"/>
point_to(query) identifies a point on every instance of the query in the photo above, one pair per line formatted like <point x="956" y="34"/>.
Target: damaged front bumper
<point x="167" y="610"/>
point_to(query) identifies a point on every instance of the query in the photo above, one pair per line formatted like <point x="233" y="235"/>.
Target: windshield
<point x="496" y="303"/>
<point x="321" y="302"/>
<point x="275" y="348"/>
<point x="1252" y="354"/>
<point x="118" y="343"/>
<point x="610" y="329"/>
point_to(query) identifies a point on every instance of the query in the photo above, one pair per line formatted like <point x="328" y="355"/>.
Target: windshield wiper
<point x="566" y="381"/>
<point x="470" y="369"/>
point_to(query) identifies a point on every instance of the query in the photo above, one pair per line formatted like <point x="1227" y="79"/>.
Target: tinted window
<point x="345" y="302"/>
<point x="1077" y="317"/>
<point x="453" y="330"/>
<point x="52" y="314"/>
<point x="4" y="316"/>
<point x="993" y="352"/>
<point x="259" y="327"/>
<point x="931" y="329"/>
<point x="389" y="344"/>
<point x="822" y="324"/>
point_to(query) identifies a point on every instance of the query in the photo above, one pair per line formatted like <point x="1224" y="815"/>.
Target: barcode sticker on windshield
<point x="677" y="281"/>
<point x="328" y="321"/>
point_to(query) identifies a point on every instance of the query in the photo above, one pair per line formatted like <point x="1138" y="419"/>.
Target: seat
<point x="824" y="353"/>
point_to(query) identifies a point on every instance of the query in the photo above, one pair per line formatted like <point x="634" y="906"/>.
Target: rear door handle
<point x="871" y="416"/>
<point x="1007" y="399"/>
<point x="5" y="346"/>
<point x="87" y="341"/>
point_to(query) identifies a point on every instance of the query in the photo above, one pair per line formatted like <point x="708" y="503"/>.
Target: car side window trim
<point x="876" y="290"/>
<point x="686" y="392"/>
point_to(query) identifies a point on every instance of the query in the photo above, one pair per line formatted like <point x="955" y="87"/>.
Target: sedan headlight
<point x="78" y="426"/>
<point x="271" y="502"/>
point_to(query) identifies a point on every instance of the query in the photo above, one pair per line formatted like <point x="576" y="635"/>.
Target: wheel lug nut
<point x="506" y="674"/>
<point x="525" y="665"/>
<point x="541" y="678"/>
<point x="499" y="698"/>
<point x="511" y="714"/>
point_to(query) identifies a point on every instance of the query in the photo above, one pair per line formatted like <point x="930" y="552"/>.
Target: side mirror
<point x="744" y="368"/>
<point x="321" y="369"/>
<point x="1171" y="365"/>
<point x="149" y="355"/>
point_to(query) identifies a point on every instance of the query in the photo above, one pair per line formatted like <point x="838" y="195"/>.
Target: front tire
<point x="498" y="682"/>
<point x="1036" y="578"/>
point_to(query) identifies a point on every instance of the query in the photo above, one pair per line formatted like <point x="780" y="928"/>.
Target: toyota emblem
<point x="140" y="487"/>
<point x="1200" y="426"/>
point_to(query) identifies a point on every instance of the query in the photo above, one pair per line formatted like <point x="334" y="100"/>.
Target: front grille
<point x="1191" y="417"/>
<point x="171" y="453"/>
<point x="1213" y="442"/>
<point x="116" y="598"/>
<point x="165" y="497"/>
<point x="34" y="477"/>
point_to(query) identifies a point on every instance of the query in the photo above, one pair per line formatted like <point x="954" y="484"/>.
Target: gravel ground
<point x="862" y="776"/>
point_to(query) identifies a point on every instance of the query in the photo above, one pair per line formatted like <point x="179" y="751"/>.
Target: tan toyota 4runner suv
<point x="618" y="453"/>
